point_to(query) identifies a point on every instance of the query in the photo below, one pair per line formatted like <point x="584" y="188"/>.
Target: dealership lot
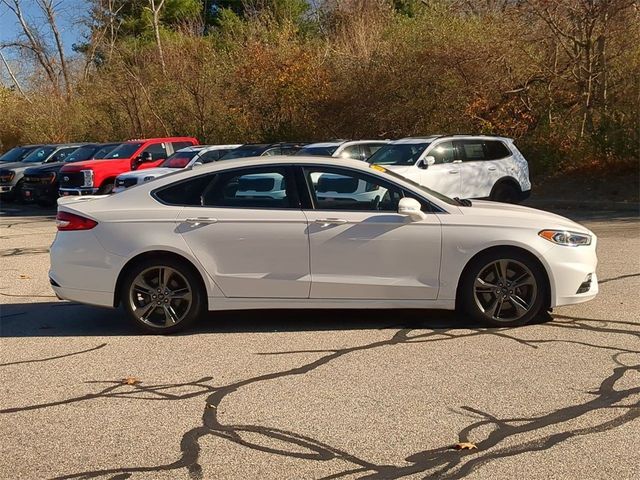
<point x="313" y="394"/>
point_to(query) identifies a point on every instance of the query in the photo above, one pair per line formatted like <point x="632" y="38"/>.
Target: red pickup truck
<point x="98" y="176"/>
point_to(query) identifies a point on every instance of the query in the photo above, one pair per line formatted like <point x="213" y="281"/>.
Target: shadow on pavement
<point x="55" y="319"/>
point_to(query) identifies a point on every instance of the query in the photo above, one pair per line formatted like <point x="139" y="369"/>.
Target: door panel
<point x="250" y="252"/>
<point x="444" y="176"/>
<point x="361" y="248"/>
<point x="373" y="255"/>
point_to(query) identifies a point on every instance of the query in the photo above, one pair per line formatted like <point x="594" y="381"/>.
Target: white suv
<point x="463" y="166"/>
<point x="355" y="149"/>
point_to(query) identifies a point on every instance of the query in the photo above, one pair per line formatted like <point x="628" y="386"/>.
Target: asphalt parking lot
<point x="313" y="394"/>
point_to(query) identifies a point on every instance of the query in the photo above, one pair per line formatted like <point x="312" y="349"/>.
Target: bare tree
<point x="13" y="77"/>
<point x="48" y="8"/>
<point x="156" y="7"/>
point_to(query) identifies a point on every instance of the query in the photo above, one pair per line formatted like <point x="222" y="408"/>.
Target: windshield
<point x="125" y="150"/>
<point x="82" y="153"/>
<point x="178" y="160"/>
<point x="417" y="186"/>
<point x="104" y="151"/>
<point x="39" y="154"/>
<point x="398" y="154"/>
<point x="244" y="152"/>
<point x="317" y="151"/>
<point x="15" y="154"/>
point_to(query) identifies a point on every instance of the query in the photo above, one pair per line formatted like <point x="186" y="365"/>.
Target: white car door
<point x="250" y="234"/>
<point x="444" y="175"/>
<point x="480" y="167"/>
<point x="361" y="248"/>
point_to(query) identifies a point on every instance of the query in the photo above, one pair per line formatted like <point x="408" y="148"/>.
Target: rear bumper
<point x="78" y="191"/>
<point x="89" y="297"/>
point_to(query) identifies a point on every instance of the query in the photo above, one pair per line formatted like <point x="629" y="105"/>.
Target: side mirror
<point x="426" y="162"/>
<point x="197" y="164"/>
<point x="411" y="208"/>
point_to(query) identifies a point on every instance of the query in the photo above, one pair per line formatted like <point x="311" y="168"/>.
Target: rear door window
<point x="158" y="151"/>
<point x="472" y="150"/>
<point x="495" y="150"/>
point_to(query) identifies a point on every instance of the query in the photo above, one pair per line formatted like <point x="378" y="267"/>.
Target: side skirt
<point x="218" y="303"/>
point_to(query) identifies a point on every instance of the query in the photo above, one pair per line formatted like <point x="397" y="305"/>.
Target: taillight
<point x="69" y="221"/>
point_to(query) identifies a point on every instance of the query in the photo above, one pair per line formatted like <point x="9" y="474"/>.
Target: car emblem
<point x="66" y="179"/>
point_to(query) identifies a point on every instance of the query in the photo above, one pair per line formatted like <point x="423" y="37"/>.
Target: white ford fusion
<point x="212" y="238"/>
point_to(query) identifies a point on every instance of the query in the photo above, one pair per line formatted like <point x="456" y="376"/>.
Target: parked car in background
<point x="184" y="158"/>
<point x="464" y="166"/>
<point x="354" y="149"/>
<point x="263" y="149"/>
<point x="16" y="154"/>
<point x="41" y="183"/>
<point x="98" y="176"/>
<point x="11" y="173"/>
<point x="195" y="240"/>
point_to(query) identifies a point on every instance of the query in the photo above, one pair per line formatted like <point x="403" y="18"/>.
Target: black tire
<point x="157" y="317"/>
<point x="16" y="193"/>
<point x="506" y="193"/>
<point x="106" y="189"/>
<point x="476" y="299"/>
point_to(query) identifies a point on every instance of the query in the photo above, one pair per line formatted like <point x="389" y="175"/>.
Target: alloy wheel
<point x="160" y="297"/>
<point x="505" y="290"/>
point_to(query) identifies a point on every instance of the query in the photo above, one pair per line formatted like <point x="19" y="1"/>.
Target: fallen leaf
<point x="130" y="381"/>
<point x="465" y="446"/>
<point x="24" y="276"/>
<point x="209" y="405"/>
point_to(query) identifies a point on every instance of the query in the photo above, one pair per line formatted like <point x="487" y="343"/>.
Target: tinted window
<point x="157" y="150"/>
<point x="371" y="148"/>
<point x="473" y="150"/>
<point x="82" y="153"/>
<point x="178" y="160"/>
<point x="443" y="152"/>
<point x="62" y="154"/>
<point x="180" y="145"/>
<point x="496" y="150"/>
<point x="338" y="189"/>
<point x="212" y="155"/>
<point x="317" y="151"/>
<point x="242" y="152"/>
<point x="39" y="154"/>
<point x="105" y="150"/>
<point x="352" y="151"/>
<point x="125" y="150"/>
<point x="188" y="192"/>
<point x="398" y="154"/>
<point x="15" y="154"/>
<point x="249" y="188"/>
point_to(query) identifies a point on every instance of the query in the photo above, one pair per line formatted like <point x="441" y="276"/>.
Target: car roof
<point x="206" y="148"/>
<point x="158" y="139"/>
<point x="338" y="143"/>
<point x="431" y="138"/>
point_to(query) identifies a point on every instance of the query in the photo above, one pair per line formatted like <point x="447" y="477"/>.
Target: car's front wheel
<point x="504" y="290"/>
<point x="162" y="296"/>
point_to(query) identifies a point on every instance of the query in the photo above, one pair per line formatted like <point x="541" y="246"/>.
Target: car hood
<point x="506" y="214"/>
<point x="85" y="164"/>
<point x="17" y="165"/>
<point x="399" y="169"/>
<point x="47" y="167"/>
<point x="148" y="172"/>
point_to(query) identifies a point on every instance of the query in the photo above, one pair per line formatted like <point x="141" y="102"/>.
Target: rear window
<point x="317" y="151"/>
<point x="178" y="160"/>
<point x="188" y="192"/>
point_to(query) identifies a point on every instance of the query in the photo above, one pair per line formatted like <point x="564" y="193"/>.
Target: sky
<point x="69" y="16"/>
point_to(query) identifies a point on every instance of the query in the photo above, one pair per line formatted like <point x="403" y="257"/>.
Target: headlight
<point x="7" y="176"/>
<point x="563" y="237"/>
<point x="88" y="178"/>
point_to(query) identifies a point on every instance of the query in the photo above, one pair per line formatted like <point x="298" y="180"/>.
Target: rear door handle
<point x="491" y="168"/>
<point x="330" y="221"/>
<point x="453" y="172"/>
<point x="201" y="220"/>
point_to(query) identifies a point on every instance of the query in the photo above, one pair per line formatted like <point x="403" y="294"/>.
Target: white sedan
<point x="197" y="240"/>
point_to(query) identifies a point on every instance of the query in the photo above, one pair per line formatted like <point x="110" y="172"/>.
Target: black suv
<point x="40" y="184"/>
<point x="263" y="149"/>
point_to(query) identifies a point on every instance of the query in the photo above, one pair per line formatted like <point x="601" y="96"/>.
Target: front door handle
<point x="201" y="220"/>
<point x="491" y="168"/>
<point x="330" y="221"/>
<point x="453" y="172"/>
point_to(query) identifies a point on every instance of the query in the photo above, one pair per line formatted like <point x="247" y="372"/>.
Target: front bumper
<point x="34" y="193"/>
<point x="6" y="188"/>
<point x="77" y="191"/>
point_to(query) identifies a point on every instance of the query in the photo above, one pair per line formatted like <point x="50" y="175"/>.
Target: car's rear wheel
<point x="504" y="290"/>
<point x="506" y="193"/>
<point x="162" y="296"/>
